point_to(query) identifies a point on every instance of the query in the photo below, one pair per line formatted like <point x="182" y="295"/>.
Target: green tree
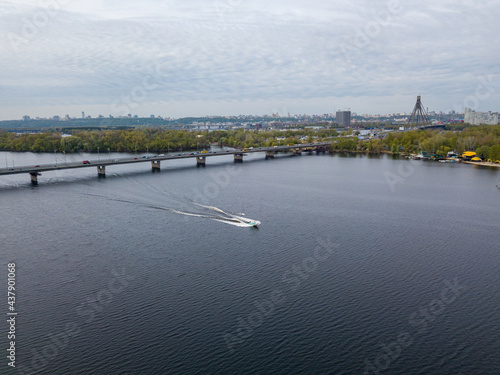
<point x="494" y="154"/>
<point x="483" y="152"/>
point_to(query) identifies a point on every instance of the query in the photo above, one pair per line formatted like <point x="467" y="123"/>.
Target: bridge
<point x="433" y="126"/>
<point x="36" y="170"/>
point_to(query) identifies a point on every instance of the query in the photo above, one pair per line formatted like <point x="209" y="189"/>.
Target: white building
<point x="477" y="118"/>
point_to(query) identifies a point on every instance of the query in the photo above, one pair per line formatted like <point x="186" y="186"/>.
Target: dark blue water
<point x="361" y="265"/>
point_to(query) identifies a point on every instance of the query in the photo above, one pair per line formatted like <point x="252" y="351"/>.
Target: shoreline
<point x="404" y="155"/>
<point x="330" y="151"/>
<point x="482" y="163"/>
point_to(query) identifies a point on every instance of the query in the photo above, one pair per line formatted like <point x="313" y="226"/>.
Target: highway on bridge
<point x="35" y="170"/>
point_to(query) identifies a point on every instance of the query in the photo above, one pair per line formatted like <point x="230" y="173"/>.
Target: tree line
<point x="484" y="140"/>
<point x="153" y="140"/>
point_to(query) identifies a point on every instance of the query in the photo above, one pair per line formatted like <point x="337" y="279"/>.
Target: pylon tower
<point x="419" y="116"/>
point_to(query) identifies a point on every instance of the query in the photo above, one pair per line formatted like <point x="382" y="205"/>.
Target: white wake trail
<point x="237" y="224"/>
<point x="223" y="216"/>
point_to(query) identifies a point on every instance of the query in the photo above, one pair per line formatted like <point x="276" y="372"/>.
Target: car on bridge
<point x="86" y="162"/>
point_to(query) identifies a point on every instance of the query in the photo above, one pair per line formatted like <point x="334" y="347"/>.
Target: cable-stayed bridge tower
<point x="419" y="116"/>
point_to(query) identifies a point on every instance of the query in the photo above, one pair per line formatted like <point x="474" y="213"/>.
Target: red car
<point x="86" y="162"/>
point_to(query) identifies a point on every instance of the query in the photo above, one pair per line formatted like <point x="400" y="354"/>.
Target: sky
<point x="175" y="58"/>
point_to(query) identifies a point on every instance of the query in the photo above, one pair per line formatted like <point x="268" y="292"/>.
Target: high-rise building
<point x="83" y="114"/>
<point x="343" y="118"/>
<point x="477" y="118"/>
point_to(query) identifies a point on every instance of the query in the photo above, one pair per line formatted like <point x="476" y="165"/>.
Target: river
<point x="362" y="265"/>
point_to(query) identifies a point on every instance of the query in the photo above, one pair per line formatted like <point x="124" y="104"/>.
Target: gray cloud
<point x="229" y="55"/>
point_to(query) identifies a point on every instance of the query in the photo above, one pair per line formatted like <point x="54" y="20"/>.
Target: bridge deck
<point x="142" y="159"/>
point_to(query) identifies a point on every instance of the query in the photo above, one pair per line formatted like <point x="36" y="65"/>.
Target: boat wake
<point x="229" y="218"/>
<point x="204" y="211"/>
<point x="222" y="216"/>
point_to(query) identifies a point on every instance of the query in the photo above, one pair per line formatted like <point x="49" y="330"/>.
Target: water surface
<point x="353" y="253"/>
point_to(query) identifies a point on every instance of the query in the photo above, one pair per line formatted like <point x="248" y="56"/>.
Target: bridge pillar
<point x="155" y="165"/>
<point x="297" y="151"/>
<point x="101" y="171"/>
<point x="200" y="160"/>
<point x="238" y="158"/>
<point x="34" y="178"/>
<point x="269" y="154"/>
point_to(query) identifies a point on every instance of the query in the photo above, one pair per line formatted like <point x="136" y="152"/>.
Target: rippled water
<point x="349" y="272"/>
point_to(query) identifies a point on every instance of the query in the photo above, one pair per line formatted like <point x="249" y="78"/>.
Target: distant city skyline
<point x="277" y="113"/>
<point x="247" y="116"/>
<point x="400" y="116"/>
<point x="229" y="57"/>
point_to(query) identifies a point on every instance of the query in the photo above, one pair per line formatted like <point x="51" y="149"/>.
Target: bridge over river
<point x="35" y="170"/>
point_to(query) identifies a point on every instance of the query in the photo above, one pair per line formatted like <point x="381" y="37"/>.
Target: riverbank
<point x="405" y="155"/>
<point x="482" y="163"/>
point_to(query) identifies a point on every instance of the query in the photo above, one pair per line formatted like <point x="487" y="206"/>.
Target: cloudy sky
<point x="227" y="57"/>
